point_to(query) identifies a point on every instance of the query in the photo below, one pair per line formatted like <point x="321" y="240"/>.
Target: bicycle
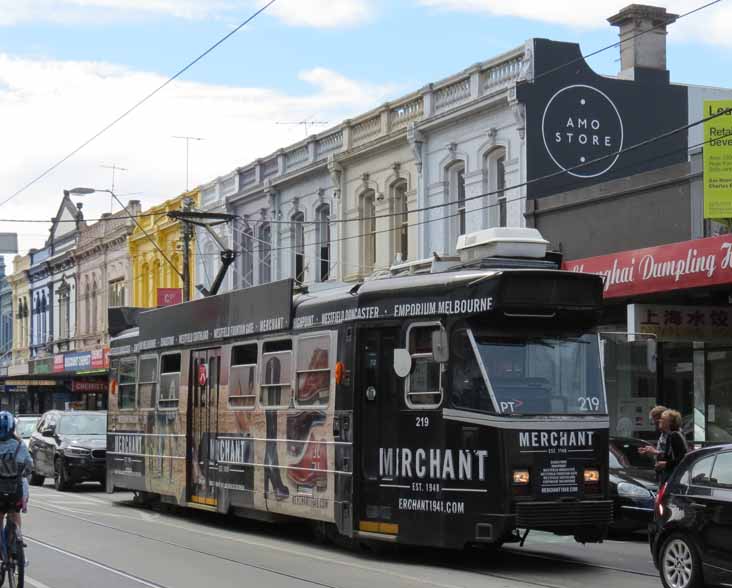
<point x="12" y="549"/>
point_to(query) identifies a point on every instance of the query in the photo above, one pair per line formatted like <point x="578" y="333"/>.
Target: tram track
<point x="510" y="577"/>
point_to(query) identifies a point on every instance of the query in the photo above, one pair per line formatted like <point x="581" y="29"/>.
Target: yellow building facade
<point x="20" y="287"/>
<point x="150" y="270"/>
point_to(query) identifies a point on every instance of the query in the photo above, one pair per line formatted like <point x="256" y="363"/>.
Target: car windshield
<point x="624" y="454"/>
<point x="528" y="375"/>
<point x="83" y="424"/>
<point x="25" y="427"/>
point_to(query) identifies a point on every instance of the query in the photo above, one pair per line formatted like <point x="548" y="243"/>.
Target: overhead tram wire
<point x="431" y="220"/>
<point x="139" y="103"/>
<point x="525" y="183"/>
<point x="257" y="13"/>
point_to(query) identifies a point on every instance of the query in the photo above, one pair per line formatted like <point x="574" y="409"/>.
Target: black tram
<point x="446" y="407"/>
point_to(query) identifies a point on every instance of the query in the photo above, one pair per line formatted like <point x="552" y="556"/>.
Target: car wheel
<point x="60" y="479"/>
<point x="679" y="563"/>
<point x="37" y="479"/>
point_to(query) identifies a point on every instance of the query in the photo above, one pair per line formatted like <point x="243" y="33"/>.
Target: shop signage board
<point x="99" y="386"/>
<point x="169" y="296"/>
<point x="579" y="125"/>
<point x="42" y="366"/>
<point x="676" y="322"/>
<point x="677" y="266"/>
<point x="718" y="159"/>
<point x="100" y="358"/>
<point x="58" y="362"/>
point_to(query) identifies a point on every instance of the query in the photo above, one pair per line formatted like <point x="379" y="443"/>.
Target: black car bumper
<point x="632" y="515"/>
<point x="82" y="469"/>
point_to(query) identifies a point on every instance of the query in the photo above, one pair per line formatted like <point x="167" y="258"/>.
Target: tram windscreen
<point x="541" y="375"/>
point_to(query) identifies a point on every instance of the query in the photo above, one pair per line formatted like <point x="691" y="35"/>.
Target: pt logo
<point x="581" y="125"/>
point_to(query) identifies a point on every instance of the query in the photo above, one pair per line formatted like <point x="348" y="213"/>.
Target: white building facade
<point x="393" y="185"/>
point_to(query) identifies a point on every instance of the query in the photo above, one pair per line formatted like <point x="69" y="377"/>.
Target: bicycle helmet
<point x="7" y="425"/>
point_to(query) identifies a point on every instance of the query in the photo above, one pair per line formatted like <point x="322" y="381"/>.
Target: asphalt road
<point x="86" y="538"/>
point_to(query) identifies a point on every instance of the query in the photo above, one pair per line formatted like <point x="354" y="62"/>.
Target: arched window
<point x="87" y="306"/>
<point x="265" y="253"/>
<point x="94" y="328"/>
<point x="456" y="190"/>
<point x="401" y="223"/>
<point x="297" y="238"/>
<point x="44" y="318"/>
<point x="460" y="198"/>
<point x="63" y="311"/>
<point x="142" y="282"/>
<point x="323" y="246"/>
<point x="500" y="186"/>
<point x="368" y="230"/>
<point x="247" y="258"/>
<point x="494" y="173"/>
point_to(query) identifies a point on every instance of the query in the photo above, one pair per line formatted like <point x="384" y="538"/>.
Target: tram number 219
<point x="588" y="403"/>
<point x="422" y="422"/>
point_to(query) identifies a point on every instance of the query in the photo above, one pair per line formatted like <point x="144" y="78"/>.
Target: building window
<point x="460" y="192"/>
<point x="87" y="306"/>
<point x="64" y="307"/>
<point x="265" y="253"/>
<point x="247" y="258"/>
<point x="116" y="293"/>
<point x="94" y="309"/>
<point x="401" y="223"/>
<point x="500" y="187"/>
<point x="368" y="222"/>
<point x="44" y="318"/>
<point x="297" y="233"/>
<point x="323" y="216"/>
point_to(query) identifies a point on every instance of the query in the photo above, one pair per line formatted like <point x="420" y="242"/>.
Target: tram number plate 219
<point x="422" y="421"/>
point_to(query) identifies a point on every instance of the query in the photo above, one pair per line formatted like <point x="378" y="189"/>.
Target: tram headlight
<point x="521" y="477"/>
<point x="592" y="476"/>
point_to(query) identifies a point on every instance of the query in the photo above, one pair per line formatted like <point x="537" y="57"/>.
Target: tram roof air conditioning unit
<point x="501" y="242"/>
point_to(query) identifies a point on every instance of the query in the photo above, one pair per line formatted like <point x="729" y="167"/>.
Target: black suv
<point x="691" y="536"/>
<point x="71" y="447"/>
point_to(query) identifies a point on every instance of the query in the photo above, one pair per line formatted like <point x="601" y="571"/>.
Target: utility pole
<point x="188" y="142"/>
<point x="115" y="168"/>
<point x="187" y="230"/>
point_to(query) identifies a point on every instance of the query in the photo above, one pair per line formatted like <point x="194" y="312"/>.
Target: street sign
<point x="202" y="374"/>
<point x="169" y="296"/>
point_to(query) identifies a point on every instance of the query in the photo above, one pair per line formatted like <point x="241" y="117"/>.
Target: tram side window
<point x="242" y="380"/>
<point x="313" y="371"/>
<point x="275" y="384"/>
<point x="467" y="387"/>
<point x="127" y="384"/>
<point x="424" y="384"/>
<point x="169" y="381"/>
<point x="147" y="390"/>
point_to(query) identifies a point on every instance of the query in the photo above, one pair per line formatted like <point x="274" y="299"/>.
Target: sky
<point x="70" y="67"/>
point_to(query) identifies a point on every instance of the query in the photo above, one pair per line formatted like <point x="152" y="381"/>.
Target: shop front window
<point x="719" y="396"/>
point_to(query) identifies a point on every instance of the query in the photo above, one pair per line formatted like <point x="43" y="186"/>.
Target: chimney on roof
<point x="642" y="32"/>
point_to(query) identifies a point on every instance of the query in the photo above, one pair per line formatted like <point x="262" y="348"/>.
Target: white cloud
<point x="707" y="26"/>
<point x="309" y="13"/>
<point x="322" y="13"/>
<point x="47" y="108"/>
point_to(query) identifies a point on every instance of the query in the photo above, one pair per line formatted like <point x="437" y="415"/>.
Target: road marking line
<point x="94" y="563"/>
<point x="36" y="583"/>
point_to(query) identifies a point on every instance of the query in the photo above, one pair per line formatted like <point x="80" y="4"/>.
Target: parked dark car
<point x="70" y="447"/>
<point x="633" y="484"/>
<point x="691" y="536"/>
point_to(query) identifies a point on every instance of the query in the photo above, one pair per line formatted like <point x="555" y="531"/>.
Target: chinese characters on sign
<point x="698" y="323"/>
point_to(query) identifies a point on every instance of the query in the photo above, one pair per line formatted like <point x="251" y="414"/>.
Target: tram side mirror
<point x="440" y="351"/>
<point x="402" y="362"/>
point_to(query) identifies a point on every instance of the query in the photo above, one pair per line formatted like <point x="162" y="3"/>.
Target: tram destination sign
<point x="260" y="309"/>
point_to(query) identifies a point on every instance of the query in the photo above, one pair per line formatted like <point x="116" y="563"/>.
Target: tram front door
<point x="378" y="403"/>
<point x="203" y="425"/>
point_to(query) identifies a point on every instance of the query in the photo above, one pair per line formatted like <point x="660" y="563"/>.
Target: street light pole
<point x="86" y="191"/>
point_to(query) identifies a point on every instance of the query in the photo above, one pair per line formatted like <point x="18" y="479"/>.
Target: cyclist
<point x="15" y="465"/>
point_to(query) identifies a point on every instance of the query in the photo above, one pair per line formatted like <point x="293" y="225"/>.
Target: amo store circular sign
<point x="582" y="129"/>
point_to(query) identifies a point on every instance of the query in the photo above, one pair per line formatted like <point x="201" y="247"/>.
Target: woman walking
<point x="675" y="447"/>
